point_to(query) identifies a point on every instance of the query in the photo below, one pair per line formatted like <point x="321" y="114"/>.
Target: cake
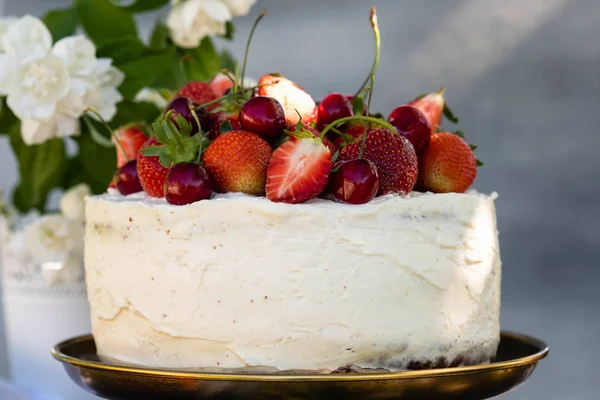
<point x="265" y="232"/>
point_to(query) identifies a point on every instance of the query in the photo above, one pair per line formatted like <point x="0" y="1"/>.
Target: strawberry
<point x="315" y="132"/>
<point x="131" y="138"/>
<point x="394" y="157"/>
<point x="292" y="97"/>
<point x="238" y="160"/>
<point x="448" y="164"/>
<point x="433" y="106"/>
<point x="150" y="171"/>
<point x="199" y="93"/>
<point x="298" y="170"/>
<point x="220" y="84"/>
<point x="354" y="131"/>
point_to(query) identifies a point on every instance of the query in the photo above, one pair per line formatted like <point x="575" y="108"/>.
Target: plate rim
<point x="531" y="359"/>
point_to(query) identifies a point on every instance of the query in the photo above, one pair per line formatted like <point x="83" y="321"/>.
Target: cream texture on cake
<point x="240" y="282"/>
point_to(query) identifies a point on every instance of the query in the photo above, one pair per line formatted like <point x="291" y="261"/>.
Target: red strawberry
<point x="151" y="173"/>
<point x="131" y="139"/>
<point x="199" y="93"/>
<point x="298" y="170"/>
<point x="328" y="143"/>
<point x="448" y="164"/>
<point x="220" y="84"/>
<point x="394" y="157"/>
<point x="292" y="97"/>
<point x="238" y="160"/>
<point x="354" y="130"/>
<point x="432" y="105"/>
<point x="218" y="119"/>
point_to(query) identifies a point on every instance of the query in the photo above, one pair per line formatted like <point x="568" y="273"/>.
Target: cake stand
<point x="517" y="357"/>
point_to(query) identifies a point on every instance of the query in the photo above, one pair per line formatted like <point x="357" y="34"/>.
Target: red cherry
<point x="264" y="116"/>
<point x="181" y="106"/>
<point x="187" y="183"/>
<point x="127" y="180"/>
<point x="333" y="107"/>
<point x="412" y="124"/>
<point x="354" y="181"/>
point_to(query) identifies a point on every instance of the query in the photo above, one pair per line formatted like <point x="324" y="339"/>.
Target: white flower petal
<point x="51" y="238"/>
<point x="27" y="39"/>
<point x="151" y="95"/>
<point x="7" y="72"/>
<point x="37" y="132"/>
<point x="239" y="7"/>
<point x="5" y="23"/>
<point x="105" y="102"/>
<point x="72" y="202"/>
<point x="37" y="88"/>
<point x="67" y="126"/>
<point x="113" y="77"/>
<point x="78" y="53"/>
<point x="215" y="10"/>
<point x="191" y="21"/>
<point x="72" y="105"/>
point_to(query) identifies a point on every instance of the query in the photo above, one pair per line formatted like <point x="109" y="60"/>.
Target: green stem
<point x="181" y="77"/>
<point x="375" y="26"/>
<point x="356" y="118"/>
<point x="93" y="111"/>
<point x="196" y="118"/>
<point x="262" y="14"/>
<point x="371" y="88"/>
<point x="220" y="99"/>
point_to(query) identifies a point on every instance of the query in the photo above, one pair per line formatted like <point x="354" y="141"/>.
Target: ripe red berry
<point x="354" y="181"/>
<point x="264" y="116"/>
<point x="127" y="180"/>
<point x="333" y="107"/>
<point x="187" y="183"/>
<point x="412" y="124"/>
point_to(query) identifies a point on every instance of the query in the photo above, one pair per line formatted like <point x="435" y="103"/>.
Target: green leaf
<point x="96" y="133"/>
<point x="61" y="22"/>
<point x="41" y="167"/>
<point x="460" y="134"/>
<point x="8" y="120"/>
<point x="479" y="163"/>
<point x="229" y="30"/>
<point x="358" y="105"/>
<point x="449" y="114"/>
<point x="473" y="147"/>
<point x="203" y="62"/>
<point x="152" y="151"/>
<point x="226" y="127"/>
<point x="104" y="22"/>
<point x="144" y="71"/>
<point x="123" y="50"/>
<point x="335" y="156"/>
<point x="165" y="160"/>
<point x="227" y="60"/>
<point x="160" y="36"/>
<point x="185" y="128"/>
<point x="98" y="163"/>
<point x="137" y="6"/>
<point x="129" y="112"/>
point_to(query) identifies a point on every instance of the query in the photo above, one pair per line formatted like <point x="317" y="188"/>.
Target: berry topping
<point x="150" y="171"/>
<point x="393" y="155"/>
<point x="412" y="124"/>
<point x="237" y="161"/>
<point x="292" y="97"/>
<point x="187" y="183"/>
<point x="448" y="165"/>
<point x="433" y="105"/>
<point x="263" y="116"/>
<point x="199" y="93"/>
<point x="334" y="106"/>
<point x="316" y="133"/>
<point x="130" y="139"/>
<point x="354" y="181"/>
<point x="127" y="180"/>
<point x="220" y="84"/>
<point x="298" y="170"/>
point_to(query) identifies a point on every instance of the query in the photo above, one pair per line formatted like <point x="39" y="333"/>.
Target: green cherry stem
<point x="93" y="111"/>
<point x="375" y="26"/>
<point x="356" y="118"/>
<point x="220" y="99"/>
<point x="262" y="14"/>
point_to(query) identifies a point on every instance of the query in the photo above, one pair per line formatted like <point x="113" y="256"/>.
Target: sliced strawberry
<point x="220" y="84"/>
<point x="199" y="93"/>
<point x="298" y="170"/>
<point x="432" y="105"/>
<point x="332" y="147"/>
<point x="292" y="97"/>
<point x="131" y="139"/>
<point x="151" y="173"/>
<point x="394" y="157"/>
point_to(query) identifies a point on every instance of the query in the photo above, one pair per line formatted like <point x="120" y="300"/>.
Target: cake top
<point x="273" y="139"/>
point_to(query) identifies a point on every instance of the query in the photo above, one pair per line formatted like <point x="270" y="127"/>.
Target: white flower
<point x="27" y="39"/>
<point x="5" y="23"/>
<point x="107" y="74"/>
<point x="53" y="237"/>
<point x="151" y="95"/>
<point x="191" y="21"/>
<point x="72" y="202"/>
<point x="78" y="53"/>
<point x="7" y="73"/>
<point x="34" y="89"/>
<point x="104" y="102"/>
<point x="70" y="270"/>
<point x="239" y="7"/>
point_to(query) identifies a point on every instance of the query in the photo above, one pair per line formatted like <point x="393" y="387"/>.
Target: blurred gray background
<point x="524" y="76"/>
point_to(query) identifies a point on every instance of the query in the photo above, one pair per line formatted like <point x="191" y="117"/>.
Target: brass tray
<point x="518" y="356"/>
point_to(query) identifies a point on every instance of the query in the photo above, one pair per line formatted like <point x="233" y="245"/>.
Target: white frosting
<point x="239" y="281"/>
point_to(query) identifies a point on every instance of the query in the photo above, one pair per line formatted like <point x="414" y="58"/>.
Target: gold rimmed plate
<point x="517" y="357"/>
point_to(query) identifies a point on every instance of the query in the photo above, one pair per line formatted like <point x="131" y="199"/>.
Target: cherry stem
<point x="236" y="77"/>
<point x="220" y="99"/>
<point x="262" y="14"/>
<point x="363" y="144"/>
<point x="93" y="111"/>
<point x="371" y="88"/>
<point x="375" y="26"/>
<point x="356" y="118"/>
<point x="195" y="117"/>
